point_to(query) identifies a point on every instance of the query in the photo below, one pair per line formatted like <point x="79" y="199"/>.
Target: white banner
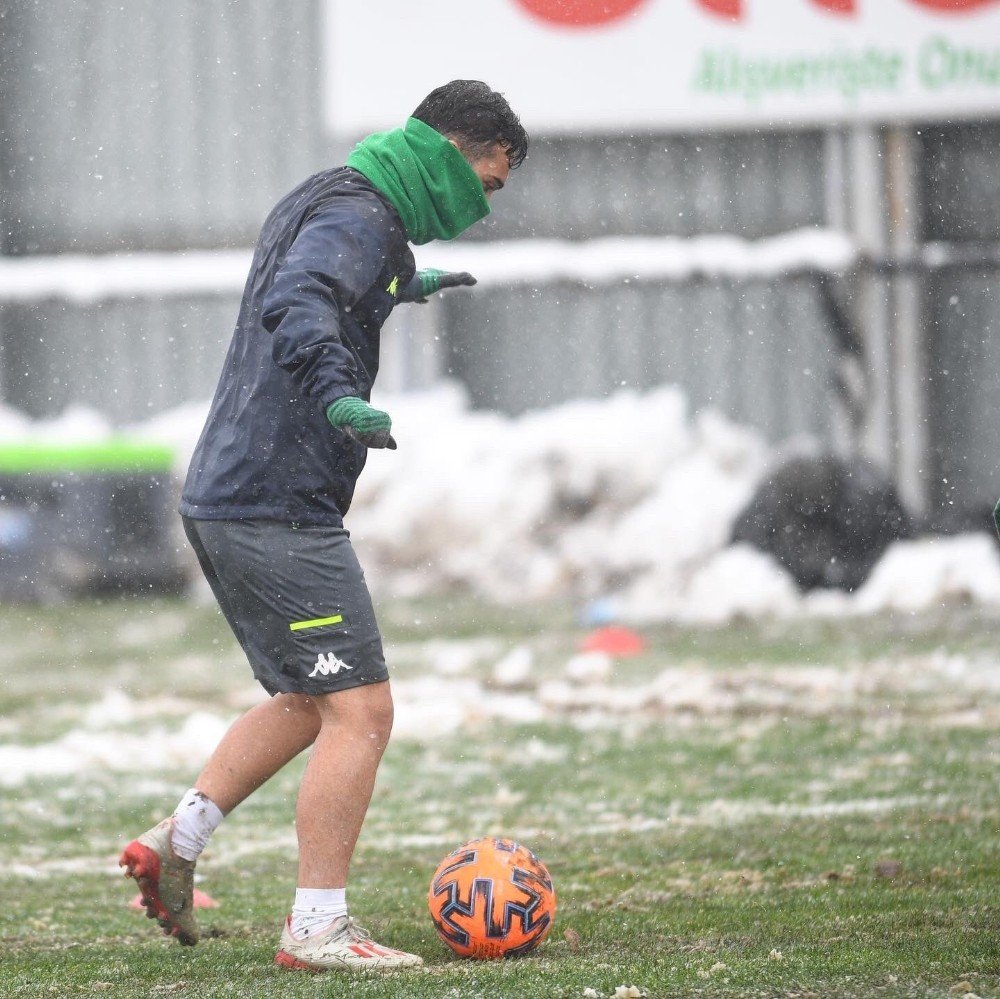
<point x="599" y="65"/>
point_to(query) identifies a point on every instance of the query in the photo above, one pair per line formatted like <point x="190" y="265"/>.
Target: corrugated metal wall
<point x="753" y="184"/>
<point x="153" y="125"/>
<point x="961" y="181"/>
<point x="127" y="359"/>
<point x="964" y="319"/>
<point x="144" y="126"/>
<point x="757" y="351"/>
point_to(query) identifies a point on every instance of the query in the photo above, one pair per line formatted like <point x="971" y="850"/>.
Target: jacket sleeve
<point x="335" y="258"/>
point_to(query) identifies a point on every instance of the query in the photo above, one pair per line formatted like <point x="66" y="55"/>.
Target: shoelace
<point x="357" y="932"/>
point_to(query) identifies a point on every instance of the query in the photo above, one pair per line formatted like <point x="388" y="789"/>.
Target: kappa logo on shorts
<point x="327" y="663"/>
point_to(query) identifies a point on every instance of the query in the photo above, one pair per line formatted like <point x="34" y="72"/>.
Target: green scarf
<point x="428" y="181"/>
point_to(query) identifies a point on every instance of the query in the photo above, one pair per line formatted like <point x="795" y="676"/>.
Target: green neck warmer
<point x="428" y="181"/>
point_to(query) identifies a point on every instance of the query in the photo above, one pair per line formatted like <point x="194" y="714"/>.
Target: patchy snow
<point x="514" y="669"/>
<point x="455" y="656"/>
<point x="723" y="812"/>
<point x="590" y="667"/>
<point x="589" y="692"/>
<point x="97" y="749"/>
<point x="429" y="707"/>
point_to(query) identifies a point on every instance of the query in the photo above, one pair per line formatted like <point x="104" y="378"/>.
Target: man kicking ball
<point x="271" y="480"/>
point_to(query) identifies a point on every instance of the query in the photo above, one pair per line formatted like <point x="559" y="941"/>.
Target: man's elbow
<point x="271" y="319"/>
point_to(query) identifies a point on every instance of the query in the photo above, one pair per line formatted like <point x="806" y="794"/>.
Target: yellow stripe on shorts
<point x="316" y="622"/>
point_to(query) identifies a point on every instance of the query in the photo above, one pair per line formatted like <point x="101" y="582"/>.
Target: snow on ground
<point x="101" y="748"/>
<point x="623" y="505"/>
<point x="586" y="693"/>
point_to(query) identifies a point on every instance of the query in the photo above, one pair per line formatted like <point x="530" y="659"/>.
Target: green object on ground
<point x="117" y="454"/>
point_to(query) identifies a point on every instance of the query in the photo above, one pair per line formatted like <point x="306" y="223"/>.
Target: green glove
<point x="430" y="280"/>
<point x="361" y="423"/>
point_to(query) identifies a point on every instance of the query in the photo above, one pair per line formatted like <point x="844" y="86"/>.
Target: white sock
<point x="316" y="908"/>
<point x="195" y="819"/>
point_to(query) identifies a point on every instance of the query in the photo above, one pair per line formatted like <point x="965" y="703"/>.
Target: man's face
<point x="492" y="168"/>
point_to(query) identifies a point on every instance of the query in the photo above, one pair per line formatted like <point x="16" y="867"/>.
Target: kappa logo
<point x="327" y="663"/>
<point x="393" y="288"/>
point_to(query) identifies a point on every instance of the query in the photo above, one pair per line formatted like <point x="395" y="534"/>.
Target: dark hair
<point x="476" y="117"/>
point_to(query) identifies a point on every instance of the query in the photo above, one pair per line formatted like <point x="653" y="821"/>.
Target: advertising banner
<point x="613" y="65"/>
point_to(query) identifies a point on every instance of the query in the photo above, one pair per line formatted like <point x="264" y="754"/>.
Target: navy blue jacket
<point x="331" y="259"/>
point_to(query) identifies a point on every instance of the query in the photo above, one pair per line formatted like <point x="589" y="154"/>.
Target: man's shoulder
<point x="341" y="191"/>
<point x="338" y="195"/>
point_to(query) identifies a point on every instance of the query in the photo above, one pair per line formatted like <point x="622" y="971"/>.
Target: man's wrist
<point x="430" y="280"/>
<point x="341" y="410"/>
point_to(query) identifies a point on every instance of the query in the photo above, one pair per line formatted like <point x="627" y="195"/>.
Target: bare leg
<point x="337" y="785"/>
<point x="257" y="746"/>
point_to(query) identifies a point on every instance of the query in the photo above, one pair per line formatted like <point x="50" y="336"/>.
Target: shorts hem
<point x="308" y="518"/>
<point x="315" y="690"/>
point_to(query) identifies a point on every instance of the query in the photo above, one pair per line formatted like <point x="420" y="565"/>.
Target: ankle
<point x="315" y="909"/>
<point x="195" y="819"/>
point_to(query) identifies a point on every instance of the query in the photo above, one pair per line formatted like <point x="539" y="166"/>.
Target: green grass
<point x="729" y="842"/>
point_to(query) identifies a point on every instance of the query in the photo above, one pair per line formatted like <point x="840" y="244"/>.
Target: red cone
<point x="615" y="641"/>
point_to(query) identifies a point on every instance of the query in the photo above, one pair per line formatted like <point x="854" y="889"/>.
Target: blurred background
<point x="785" y="208"/>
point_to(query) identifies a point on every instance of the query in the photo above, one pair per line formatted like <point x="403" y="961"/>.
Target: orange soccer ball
<point x="492" y="898"/>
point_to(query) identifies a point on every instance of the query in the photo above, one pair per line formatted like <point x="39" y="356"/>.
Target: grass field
<point x="807" y="809"/>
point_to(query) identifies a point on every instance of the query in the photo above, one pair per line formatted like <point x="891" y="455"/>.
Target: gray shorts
<point x="297" y="601"/>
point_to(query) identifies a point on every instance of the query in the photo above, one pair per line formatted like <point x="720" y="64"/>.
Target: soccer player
<point x="271" y="480"/>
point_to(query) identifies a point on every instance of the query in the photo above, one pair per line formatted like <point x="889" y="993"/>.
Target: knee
<point x="378" y="720"/>
<point x="364" y="712"/>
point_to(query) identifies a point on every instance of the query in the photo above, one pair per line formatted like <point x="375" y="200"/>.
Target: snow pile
<point x="75" y="425"/>
<point x="622" y="505"/>
<point x="916" y="575"/>
<point x="178" y="428"/>
<point x="627" y="493"/>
